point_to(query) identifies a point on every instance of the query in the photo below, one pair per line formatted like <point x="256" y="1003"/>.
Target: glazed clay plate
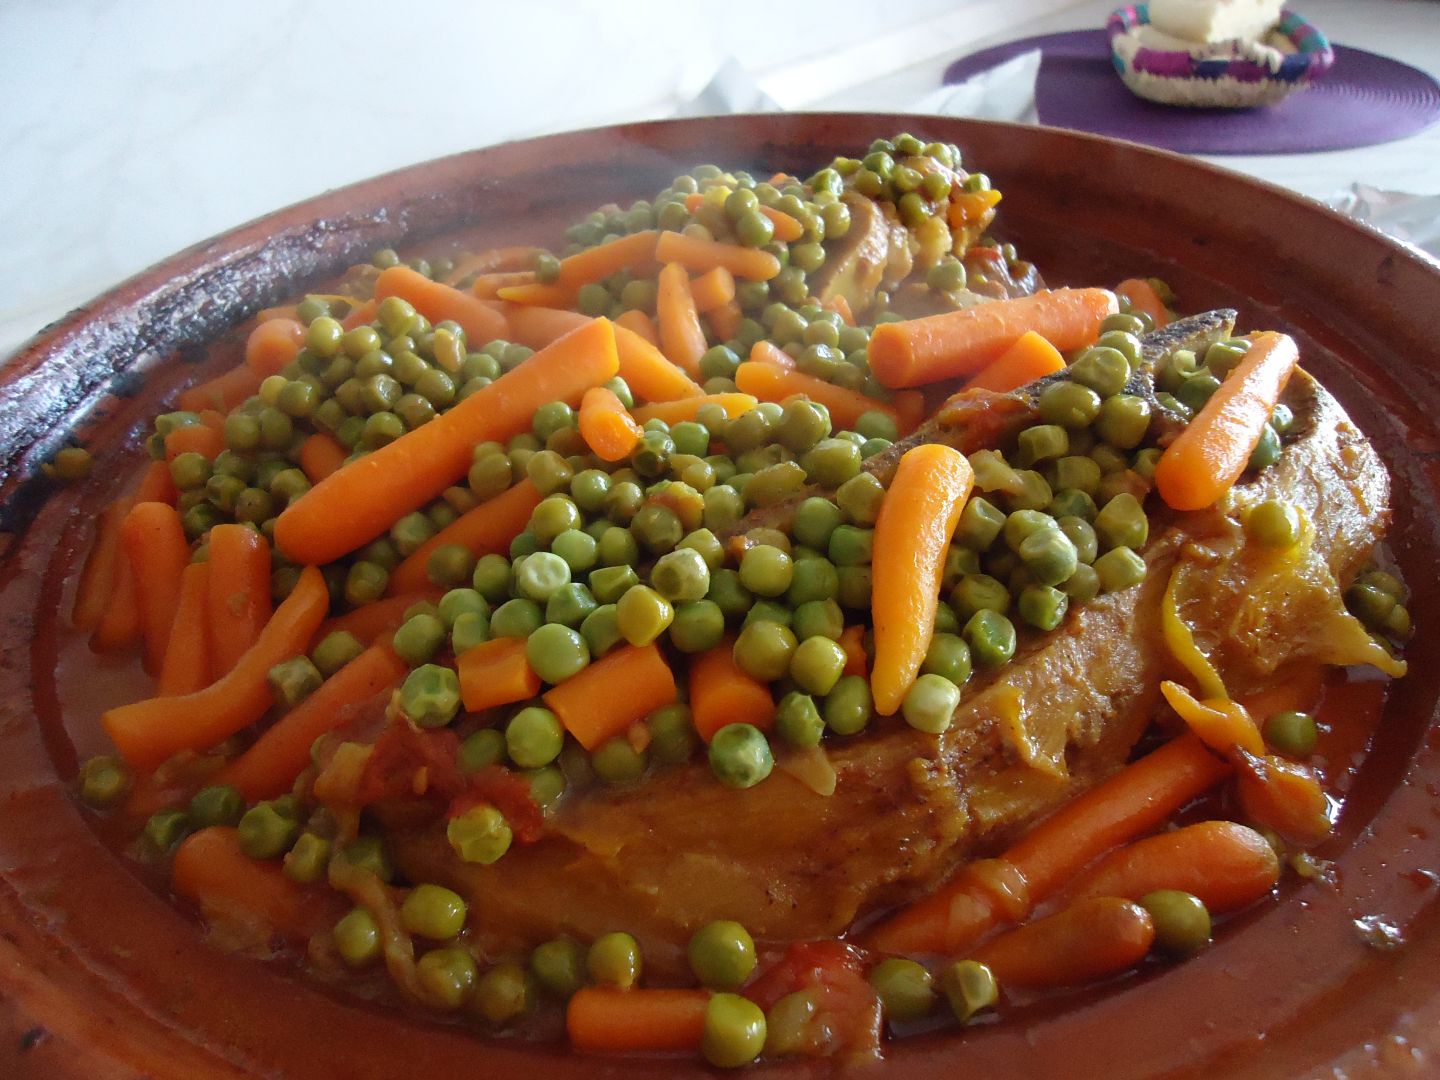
<point x="100" y="976"/>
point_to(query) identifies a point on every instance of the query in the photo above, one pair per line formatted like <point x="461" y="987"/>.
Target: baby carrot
<point x="119" y="623"/>
<point x="725" y="320"/>
<point x="637" y="322"/>
<point x="238" y="603"/>
<point x="1143" y="297"/>
<point x="538" y="327"/>
<point x="1283" y="795"/>
<point x="633" y="252"/>
<point x="158" y="552"/>
<point x="698" y="255"/>
<point x="1226" y="865"/>
<point x="841" y="307"/>
<point x="606" y="425"/>
<point x="536" y="294"/>
<point x="487" y="528"/>
<point x="224" y="392"/>
<point x="488" y="286"/>
<point x="270" y="766"/>
<point x="681" y="337"/>
<point x="605" y="1019"/>
<point x="1089" y="940"/>
<point x="770" y="382"/>
<point x="721" y="694"/>
<point x="495" y="672"/>
<point x="150" y="732"/>
<point x="1213" y="450"/>
<point x="712" y="288"/>
<point x="1030" y="358"/>
<point x="912" y="534"/>
<point x="672" y="412"/>
<point x="156" y="485"/>
<point x="369" y="622"/>
<point x="321" y="455"/>
<point x="852" y="640"/>
<point x="787" y="228"/>
<point x="438" y="302"/>
<point x="194" y="439"/>
<point x="97" y="579"/>
<point x="367" y="496"/>
<point x="361" y="314"/>
<point x="492" y="260"/>
<point x="620" y="689"/>
<point x="186" y="667"/>
<point x="920" y="351"/>
<point x="273" y="344"/>
<point x="646" y="370"/>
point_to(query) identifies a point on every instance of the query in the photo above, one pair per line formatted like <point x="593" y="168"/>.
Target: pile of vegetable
<point x="489" y="531"/>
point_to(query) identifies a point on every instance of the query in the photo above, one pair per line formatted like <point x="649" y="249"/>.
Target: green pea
<point x="609" y="583"/>
<point x="1069" y="404"/>
<point x="980" y="523"/>
<point x="480" y="835"/>
<point x="949" y="657"/>
<point x="1078" y="473"/>
<point x="481" y="748"/>
<point x="419" y="638"/>
<point x="930" y="703"/>
<point x="308" y="860"/>
<point x="555" y="653"/>
<point x="904" y="988"/>
<point x="815" y="519"/>
<point x="1182" y="922"/>
<point x="740" y="756"/>
<point x="1273" y="523"/>
<point x="849" y="706"/>
<point x="166" y="828"/>
<point x="434" y="912"/>
<point x="1119" y="568"/>
<point x="601" y="630"/>
<point x="559" y="967"/>
<point x="734" y="1032"/>
<point x="1049" y="556"/>
<point x="1294" y="734"/>
<point x="698" y="626"/>
<point x="681" y="575"/>
<point x="1109" y="459"/>
<point x="357" y="938"/>
<point x="860" y="499"/>
<point x="570" y="605"/>
<point x="818" y="618"/>
<point x="1267" y="451"/>
<point x="817" y="664"/>
<point x="723" y="507"/>
<point x="1127" y="344"/>
<point x="219" y="804"/>
<point x="1124" y="421"/>
<point x="368" y="853"/>
<point x="969" y="987"/>
<point x="492" y="578"/>
<point x="1083" y="585"/>
<point x="104" y="781"/>
<point x="798" y="720"/>
<point x="1122" y="523"/>
<point x="541" y="575"/>
<point x="766" y="570"/>
<point x="617" y="547"/>
<point x="517" y="618"/>
<point x="812" y="579"/>
<point x="293" y="680"/>
<point x="855" y="584"/>
<point x="1042" y="606"/>
<point x="643" y="615"/>
<point x="763" y="649"/>
<point x="1223" y="356"/>
<point x="1034" y="492"/>
<point x="991" y="637"/>
<point x="1195" y="391"/>
<point x="1102" y="369"/>
<point x="264" y="832"/>
<point x="503" y="994"/>
<point x="430" y="695"/>
<point x="446" y="977"/>
<point x="614" y="960"/>
<point x="1043" y="442"/>
<point x="979" y="592"/>
<point x="1082" y="535"/>
<point x="831" y="462"/>
<point x="851" y="545"/>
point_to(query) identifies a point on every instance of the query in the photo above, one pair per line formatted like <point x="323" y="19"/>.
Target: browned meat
<point x="679" y="849"/>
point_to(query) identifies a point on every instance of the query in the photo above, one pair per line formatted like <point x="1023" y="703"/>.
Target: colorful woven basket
<point x="1249" y="77"/>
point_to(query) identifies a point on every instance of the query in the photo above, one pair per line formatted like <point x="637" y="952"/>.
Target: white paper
<point x="1003" y="92"/>
<point x="1415" y="219"/>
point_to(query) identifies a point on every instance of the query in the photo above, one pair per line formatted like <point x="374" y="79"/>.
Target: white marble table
<point x="134" y="128"/>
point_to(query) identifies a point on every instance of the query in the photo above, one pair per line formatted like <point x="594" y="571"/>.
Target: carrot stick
<point x="438" y="302"/>
<point x="538" y="327"/>
<point x="637" y="322"/>
<point x="1134" y="801"/>
<point x="194" y="439"/>
<point x="365" y="497"/>
<point x="957" y="343"/>
<point x="492" y="260"/>
<point x="149" y="732"/>
<point x="841" y="307"/>
<point x="681" y="337"/>
<point x="361" y="315"/>
<point x="486" y="529"/>
<point x="852" y="640"/>
<point x="1220" y="724"/>
<point x="912" y="534"/>
<point x="486" y="286"/>
<point x="224" y="392"/>
<point x="282" y="311"/>
<point x="647" y="371"/>
<point x="1213" y="450"/>
<point x="119" y="624"/>
<point x="618" y="690"/>
<point x="767" y="352"/>
<point x="698" y="255"/>
<point x="156" y="485"/>
<point x="377" y="619"/>
<point x="1030" y="358"/>
<point x="273" y="344"/>
<point x="713" y="288"/>
<point x="536" y="294"/>
<point x="633" y="252"/>
<point x="270" y="766"/>
<point x="770" y="382"/>
<point x="186" y="667"/>
<point x="238" y="604"/>
<point x="212" y="871"/>
<point x="155" y="543"/>
<point x="605" y="1019"/>
<point x="321" y="455"/>
<point x="1226" y="865"/>
<point x="910" y="410"/>
<point x="1143" y="297"/>
<point x="97" y="579"/>
<point x="495" y="672"/>
<point x="672" y="412"/>
<point x="721" y="694"/>
<point x="606" y="425"/>
<point x="1089" y="940"/>
<point x="1283" y="795"/>
<point x="724" y="320"/>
